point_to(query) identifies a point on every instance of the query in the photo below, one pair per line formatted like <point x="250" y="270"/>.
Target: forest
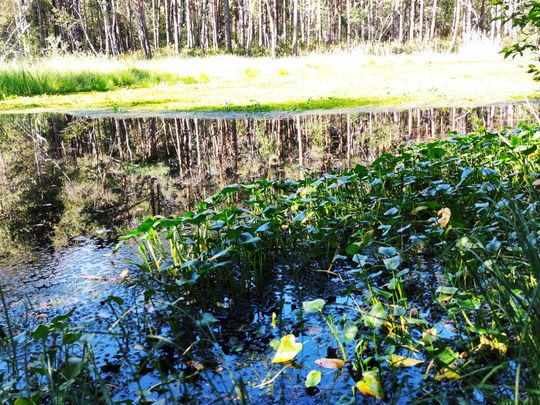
<point x="246" y="27"/>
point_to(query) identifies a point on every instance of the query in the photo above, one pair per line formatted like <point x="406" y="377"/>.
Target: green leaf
<point x="313" y="306"/>
<point x="287" y="350"/>
<point x="220" y="254"/>
<point x="360" y="260"/>
<point x="350" y="331"/>
<point x="368" y="238"/>
<point x="24" y="401"/>
<point x="376" y="317"/>
<point x="263" y="228"/>
<point x="250" y="239"/>
<point x="371" y="385"/>
<point x="115" y="299"/>
<point x="313" y="378"/>
<point x="72" y="368"/>
<point x="353" y="248"/>
<point x="388" y="251"/>
<point x="401" y="361"/>
<point x="230" y="189"/>
<point x="207" y="319"/>
<point x="41" y="332"/>
<point x="392" y="263"/>
<point x="274" y="344"/>
<point x="70" y="338"/>
<point x="446" y="356"/>
<point x="446" y="290"/>
<point x="66" y="316"/>
<point x="493" y="246"/>
<point x="300" y="216"/>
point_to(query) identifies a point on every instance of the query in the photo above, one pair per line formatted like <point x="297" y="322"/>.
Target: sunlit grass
<point x="232" y="83"/>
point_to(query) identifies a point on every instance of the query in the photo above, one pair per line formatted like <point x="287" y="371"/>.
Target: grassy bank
<point x="226" y="83"/>
<point x="436" y="246"/>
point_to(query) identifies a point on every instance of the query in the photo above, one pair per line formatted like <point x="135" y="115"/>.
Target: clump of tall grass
<point x="26" y="81"/>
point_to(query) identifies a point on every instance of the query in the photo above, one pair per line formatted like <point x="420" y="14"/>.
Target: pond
<point x="71" y="185"/>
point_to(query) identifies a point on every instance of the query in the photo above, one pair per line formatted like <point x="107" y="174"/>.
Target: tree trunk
<point x="455" y="27"/>
<point x="295" y="29"/>
<point x="273" y="33"/>
<point x="411" y="21"/>
<point x="228" y="38"/>
<point x="143" y="30"/>
<point x="433" y="19"/>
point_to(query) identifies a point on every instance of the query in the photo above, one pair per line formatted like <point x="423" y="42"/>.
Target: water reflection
<point x="63" y="176"/>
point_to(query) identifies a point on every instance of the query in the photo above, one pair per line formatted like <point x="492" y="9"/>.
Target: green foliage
<point x="526" y="18"/>
<point x="60" y="358"/>
<point x="462" y="212"/>
<point x="445" y="203"/>
<point x="25" y="81"/>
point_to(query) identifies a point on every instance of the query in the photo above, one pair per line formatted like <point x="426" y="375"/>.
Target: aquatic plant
<point x="441" y="205"/>
<point x="435" y="244"/>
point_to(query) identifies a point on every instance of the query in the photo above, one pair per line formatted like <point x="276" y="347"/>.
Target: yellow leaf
<point x="287" y="350"/>
<point x="493" y="344"/>
<point x="274" y="317"/>
<point x="371" y="385"/>
<point x="400" y="361"/>
<point x="330" y="363"/>
<point x="447" y="374"/>
<point x="444" y="217"/>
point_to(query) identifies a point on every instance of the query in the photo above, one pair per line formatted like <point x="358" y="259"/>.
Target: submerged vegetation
<point x="431" y="253"/>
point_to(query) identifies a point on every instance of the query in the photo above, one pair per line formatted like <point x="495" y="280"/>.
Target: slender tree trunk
<point x="349" y="24"/>
<point x="411" y="21"/>
<point x="273" y="33"/>
<point x="433" y="19"/>
<point x="189" y="31"/>
<point x="228" y="38"/>
<point x="455" y="27"/>
<point x="295" y="29"/>
<point x="421" y="20"/>
<point x="143" y="30"/>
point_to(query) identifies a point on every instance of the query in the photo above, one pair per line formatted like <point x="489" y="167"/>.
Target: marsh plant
<point x="435" y="247"/>
<point x="439" y="233"/>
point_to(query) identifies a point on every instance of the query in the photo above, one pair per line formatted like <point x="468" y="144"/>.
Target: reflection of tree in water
<point x="63" y="176"/>
<point x="30" y="181"/>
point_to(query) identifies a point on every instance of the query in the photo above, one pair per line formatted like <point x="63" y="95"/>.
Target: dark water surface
<point x="69" y="185"/>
